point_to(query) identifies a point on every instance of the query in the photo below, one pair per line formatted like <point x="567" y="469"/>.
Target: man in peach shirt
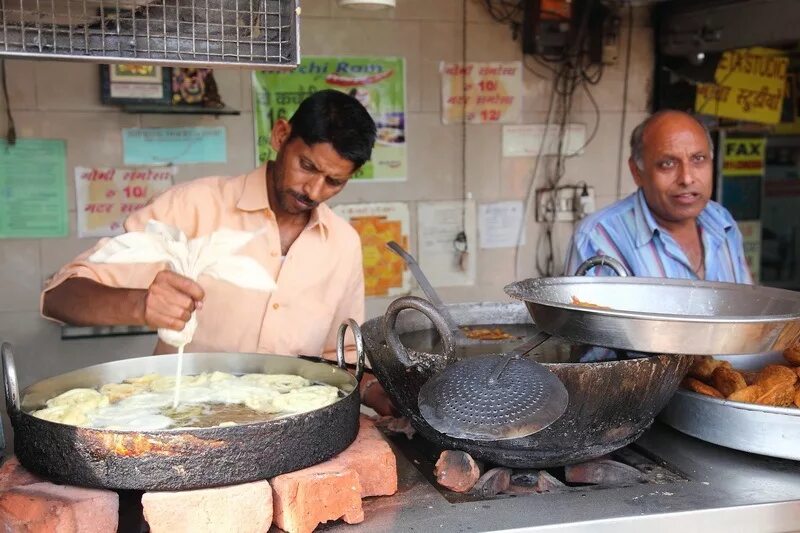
<point x="314" y="255"/>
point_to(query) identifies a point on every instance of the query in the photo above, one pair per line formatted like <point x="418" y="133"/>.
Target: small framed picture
<point x="129" y="83"/>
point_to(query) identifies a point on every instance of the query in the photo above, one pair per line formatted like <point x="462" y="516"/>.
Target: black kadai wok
<point x="611" y="403"/>
<point x="183" y="459"/>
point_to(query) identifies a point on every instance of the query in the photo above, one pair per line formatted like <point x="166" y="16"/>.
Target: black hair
<point x="334" y="117"/>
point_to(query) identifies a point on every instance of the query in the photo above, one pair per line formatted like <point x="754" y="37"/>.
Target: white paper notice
<point x="438" y="224"/>
<point x="499" y="225"/>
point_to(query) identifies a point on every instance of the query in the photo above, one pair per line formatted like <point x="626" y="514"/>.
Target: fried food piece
<point x="118" y="391"/>
<point x="704" y="366"/>
<point x="727" y="380"/>
<point x="698" y="386"/>
<point x="749" y="394"/>
<point x="792" y="354"/>
<point x="581" y="303"/>
<point x="797" y="398"/>
<point x="780" y="395"/>
<point x="772" y="375"/>
<point x="749" y="376"/>
<point x="487" y="334"/>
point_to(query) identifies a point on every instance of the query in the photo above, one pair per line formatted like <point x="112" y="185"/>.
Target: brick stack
<point x="296" y="502"/>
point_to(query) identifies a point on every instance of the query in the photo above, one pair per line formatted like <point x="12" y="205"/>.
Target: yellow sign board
<point x="749" y="86"/>
<point x="743" y="156"/>
<point x="481" y="93"/>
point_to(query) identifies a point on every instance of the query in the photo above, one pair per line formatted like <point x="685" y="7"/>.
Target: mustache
<point x="304" y="199"/>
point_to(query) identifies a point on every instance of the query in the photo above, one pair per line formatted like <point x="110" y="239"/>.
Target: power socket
<point x="565" y="205"/>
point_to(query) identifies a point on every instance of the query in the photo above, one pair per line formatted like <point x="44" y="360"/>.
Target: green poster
<point x="33" y="189"/>
<point x="377" y="82"/>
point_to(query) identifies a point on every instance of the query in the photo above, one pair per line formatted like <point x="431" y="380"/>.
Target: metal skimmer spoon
<point x="494" y="397"/>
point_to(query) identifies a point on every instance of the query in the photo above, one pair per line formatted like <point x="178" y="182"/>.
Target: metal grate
<point x="258" y="33"/>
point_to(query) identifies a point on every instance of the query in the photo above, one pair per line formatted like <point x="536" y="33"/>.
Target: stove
<point x="685" y="485"/>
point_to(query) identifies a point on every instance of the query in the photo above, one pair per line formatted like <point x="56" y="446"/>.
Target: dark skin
<point x="676" y="178"/>
<point x="301" y="178"/>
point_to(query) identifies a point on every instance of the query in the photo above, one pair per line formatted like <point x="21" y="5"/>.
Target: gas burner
<point x="626" y="467"/>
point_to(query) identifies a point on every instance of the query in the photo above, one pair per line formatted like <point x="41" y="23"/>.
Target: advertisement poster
<point x="438" y="225"/>
<point x="377" y="82"/>
<point x="486" y="93"/>
<point x="750" y="85"/>
<point x="751" y="237"/>
<point x="385" y="273"/>
<point x="106" y="196"/>
<point x="744" y="156"/>
<point x="33" y="189"/>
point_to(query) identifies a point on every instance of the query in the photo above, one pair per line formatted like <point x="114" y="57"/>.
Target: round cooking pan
<point x="189" y="458"/>
<point x="659" y="315"/>
<point x="611" y="403"/>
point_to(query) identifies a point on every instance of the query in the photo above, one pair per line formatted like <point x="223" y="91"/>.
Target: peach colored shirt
<point x="320" y="283"/>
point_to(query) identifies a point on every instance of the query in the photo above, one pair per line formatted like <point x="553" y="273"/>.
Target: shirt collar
<point x="254" y="198"/>
<point x="646" y="227"/>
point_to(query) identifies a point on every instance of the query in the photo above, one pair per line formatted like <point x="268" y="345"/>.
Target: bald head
<point x="671" y="161"/>
<point x="669" y="116"/>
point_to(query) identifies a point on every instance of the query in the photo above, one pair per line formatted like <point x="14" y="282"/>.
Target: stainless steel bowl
<point x="663" y="315"/>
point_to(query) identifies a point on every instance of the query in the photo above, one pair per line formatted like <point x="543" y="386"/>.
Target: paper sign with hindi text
<point x="481" y="93"/>
<point x="107" y="196"/>
<point x="385" y="273"/>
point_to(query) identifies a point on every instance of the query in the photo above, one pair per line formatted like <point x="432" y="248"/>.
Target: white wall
<point x="61" y="100"/>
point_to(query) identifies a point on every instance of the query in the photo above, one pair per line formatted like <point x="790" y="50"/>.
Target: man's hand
<point x="170" y="301"/>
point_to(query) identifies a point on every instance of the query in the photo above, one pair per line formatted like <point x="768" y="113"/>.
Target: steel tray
<point x="772" y="431"/>
<point x="668" y="316"/>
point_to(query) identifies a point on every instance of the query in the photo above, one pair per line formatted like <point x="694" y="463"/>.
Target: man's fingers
<point x="156" y="319"/>
<point x="187" y="286"/>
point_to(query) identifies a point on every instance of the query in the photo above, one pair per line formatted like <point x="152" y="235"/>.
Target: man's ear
<point x="635" y="172"/>
<point x="280" y="133"/>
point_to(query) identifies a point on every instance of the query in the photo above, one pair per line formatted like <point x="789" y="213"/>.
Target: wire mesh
<point x="259" y="33"/>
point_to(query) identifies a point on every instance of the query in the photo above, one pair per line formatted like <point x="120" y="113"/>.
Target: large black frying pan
<point x="611" y="403"/>
<point x="190" y="458"/>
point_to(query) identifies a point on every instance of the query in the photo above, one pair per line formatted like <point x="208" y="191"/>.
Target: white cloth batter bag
<point x="211" y="255"/>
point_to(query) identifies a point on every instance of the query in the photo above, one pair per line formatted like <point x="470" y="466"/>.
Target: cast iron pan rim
<point x="194" y="431"/>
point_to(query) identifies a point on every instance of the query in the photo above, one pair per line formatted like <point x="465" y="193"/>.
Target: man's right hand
<point x="170" y="301"/>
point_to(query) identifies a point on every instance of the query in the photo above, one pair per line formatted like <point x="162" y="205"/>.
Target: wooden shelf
<point x="178" y="110"/>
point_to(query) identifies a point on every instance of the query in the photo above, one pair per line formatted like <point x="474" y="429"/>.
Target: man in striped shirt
<point x="669" y="227"/>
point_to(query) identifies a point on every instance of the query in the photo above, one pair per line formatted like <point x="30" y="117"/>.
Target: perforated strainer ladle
<point x="486" y="397"/>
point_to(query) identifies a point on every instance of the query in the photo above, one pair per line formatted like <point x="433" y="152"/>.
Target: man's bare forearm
<point x="84" y="302"/>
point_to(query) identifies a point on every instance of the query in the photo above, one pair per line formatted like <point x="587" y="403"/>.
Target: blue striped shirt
<point x="626" y="230"/>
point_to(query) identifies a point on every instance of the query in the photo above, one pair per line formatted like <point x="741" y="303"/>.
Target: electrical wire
<point x="11" y="132"/>
<point x="624" y="101"/>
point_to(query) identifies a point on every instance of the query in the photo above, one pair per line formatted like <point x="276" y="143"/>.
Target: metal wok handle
<point x="10" y="378"/>
<point x="426" y="286"/>
<point x="427" y="309"/>
<point x="353" y="325"/>
<point x="603" y="260"/>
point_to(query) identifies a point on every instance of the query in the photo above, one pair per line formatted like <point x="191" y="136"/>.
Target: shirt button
<point x="275" y="306"/>
<point x="274" y="254"/>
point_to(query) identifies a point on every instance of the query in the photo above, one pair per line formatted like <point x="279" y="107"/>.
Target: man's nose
<point x="313" y="187"/>
<point x="686" y="174"/>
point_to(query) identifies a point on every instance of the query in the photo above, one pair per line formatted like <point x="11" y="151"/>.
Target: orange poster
<point x="384" y="272"/>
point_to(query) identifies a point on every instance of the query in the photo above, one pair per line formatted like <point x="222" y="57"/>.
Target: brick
<point x="373" y="459"/>
<point x="49" y="508"/>
<point x="244" y="508"/>
<point x="456" y="470"/>
<point x="493" y="482"/>
<point x="312" y="496"/>
<point x="13" y="474"/>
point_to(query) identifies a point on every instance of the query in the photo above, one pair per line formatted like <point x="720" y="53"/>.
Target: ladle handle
<point x="603" y="260"/>
<point x="10" y="378"/>
<point x="340" y="359"/>
<point x="427" y="309"/>
<point x="426" y="286"/>
<point x="516" y="353"/>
